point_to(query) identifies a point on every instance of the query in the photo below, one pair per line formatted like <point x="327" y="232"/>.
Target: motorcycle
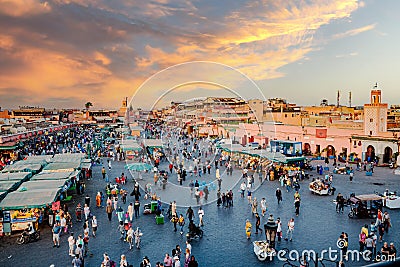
<point x="27" y="238"/>
<point x="196" y="234"/>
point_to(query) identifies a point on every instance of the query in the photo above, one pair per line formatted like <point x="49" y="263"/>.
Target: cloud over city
<point x="102" y="50"/>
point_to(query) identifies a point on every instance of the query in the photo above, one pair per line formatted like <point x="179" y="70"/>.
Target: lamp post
<point x="270" y="231"/>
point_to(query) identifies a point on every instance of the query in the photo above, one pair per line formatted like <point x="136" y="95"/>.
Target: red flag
<point x="55" y="205"/>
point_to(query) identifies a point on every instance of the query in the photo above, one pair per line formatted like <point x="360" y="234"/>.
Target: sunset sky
<point x="63" y="53"/>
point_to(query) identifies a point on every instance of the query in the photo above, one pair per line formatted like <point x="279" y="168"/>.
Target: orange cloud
<point x="23" y="7"/>
<point x="354" y="31"/>
<point x="103" y="50"/>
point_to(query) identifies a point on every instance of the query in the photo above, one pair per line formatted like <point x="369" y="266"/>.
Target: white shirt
<point x="189" y="247"/>
<point x="291" y="225"/>
<point x="71" y="240"/>
<point x="63" y="222"/>
<point x="86" y="210"/>
<point x="243" y="186"/>
<point x="201" y="213"/>
<point x="263" y="204"/>
<point x="279" y="229"/>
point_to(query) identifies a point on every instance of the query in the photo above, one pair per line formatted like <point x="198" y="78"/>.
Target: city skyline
<point x="64" y="53"/>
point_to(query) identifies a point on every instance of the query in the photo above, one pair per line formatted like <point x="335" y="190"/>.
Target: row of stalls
<point x="31" y="187"/>
<point x="258" y="156"/>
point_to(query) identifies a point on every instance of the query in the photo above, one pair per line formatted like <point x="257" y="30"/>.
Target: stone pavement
<point x="317" y="227"/>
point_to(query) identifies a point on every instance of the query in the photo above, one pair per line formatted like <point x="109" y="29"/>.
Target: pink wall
<point x="338" y="138"/>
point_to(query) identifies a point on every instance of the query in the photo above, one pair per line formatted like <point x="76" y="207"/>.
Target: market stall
<point x="25" y="207"/>
<point x="131" y="148"/>
<point x="22" y="166"/>
<point x="62" y="167"/>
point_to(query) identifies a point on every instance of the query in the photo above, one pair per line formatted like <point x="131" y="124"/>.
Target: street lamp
<point x="270" y="231"/>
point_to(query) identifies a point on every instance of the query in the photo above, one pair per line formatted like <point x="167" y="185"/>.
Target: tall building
<point x="375" y="114"/>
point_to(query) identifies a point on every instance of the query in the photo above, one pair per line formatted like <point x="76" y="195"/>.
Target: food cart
<point x="320" y="187"/>
<point x="263" y="251"/>
<point x="391" y="200"/>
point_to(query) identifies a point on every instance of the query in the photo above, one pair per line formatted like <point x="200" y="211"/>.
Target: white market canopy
<point x="41" y="159"/>
<point x="42" y="184"/>
<point x="86" y="164"/>
<point x="22" y="166"/>
<point x="8" y="186"/>
<point x="28" y="199"/>
<point x="15" y="176"/>
<point x="62" y="167"/>
<point x="61" y="175"/>
<point x="130" y="145"/>
<point x="68" y="157"/>
<point x="153" y="143"/>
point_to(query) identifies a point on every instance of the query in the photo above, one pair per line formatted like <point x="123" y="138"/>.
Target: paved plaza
<point x="224" y="243"/>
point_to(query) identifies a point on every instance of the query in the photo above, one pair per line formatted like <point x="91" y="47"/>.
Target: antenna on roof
<point x="338" y="98"/>
<point x="350" y="99"/>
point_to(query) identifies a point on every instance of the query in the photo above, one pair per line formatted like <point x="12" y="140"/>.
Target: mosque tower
<point x="375" y="114"/>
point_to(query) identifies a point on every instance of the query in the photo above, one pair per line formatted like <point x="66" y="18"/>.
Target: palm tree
<point x="88" y="105"/>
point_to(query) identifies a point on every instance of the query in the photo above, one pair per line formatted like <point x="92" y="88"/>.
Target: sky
<point x="64" y="53"/>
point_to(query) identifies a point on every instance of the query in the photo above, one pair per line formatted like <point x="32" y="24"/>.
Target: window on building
<point x="371" y="120"/>
<point x="316" y="121"/>
<point x="355" y="143"/>
<point x="285" y="115"/>
<point x="370" y="132"/>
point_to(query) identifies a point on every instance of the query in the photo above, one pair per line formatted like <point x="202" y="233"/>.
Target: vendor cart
<point x="320" y="188"/>
<point x="263" y="251"/>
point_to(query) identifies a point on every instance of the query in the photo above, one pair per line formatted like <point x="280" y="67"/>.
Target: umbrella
<point x="138" y="166"/>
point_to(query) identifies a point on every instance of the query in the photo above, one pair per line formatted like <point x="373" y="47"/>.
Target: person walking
<point x="103" y="172"/>
<point x="130" y="211"/>
<point x="109" y="210"/>
<point x="86" y="244"/>
<point x="78" y="212"/>
<point x="289" y="232"/>
<point x="190" y="214"/>
<point x="258" y="222"/>
<point x="386" y="221"/>
<point x="98" y="200"/>
<point x="181" y="222"/>
<point x="263" y="205"/>
<point x="297" y="206"/>
<point x="174" y="220"/>
<point x="279" y="229"/>
<point x="86" y="211"/>
<point x="340" y="203"/>
<point x="136" y="207"/>
<point x="254" y="206"/>
<point x="278" y="194"/>
<point x="201" y="214"/>
<point x="76" y="261"/>
<point x="94" y="226"/>
<point x="206" y="192"/>
<point x="71" y="244"/>
<point x="248" y="227"/>
<point x="242" y="189"/>
<point x="56" y="234"/>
